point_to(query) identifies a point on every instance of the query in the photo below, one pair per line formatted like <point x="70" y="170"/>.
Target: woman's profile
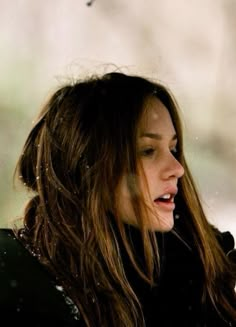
<point x="115" y="233"/>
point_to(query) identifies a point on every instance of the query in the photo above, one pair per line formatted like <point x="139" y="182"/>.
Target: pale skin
<point x="157" y="143"/>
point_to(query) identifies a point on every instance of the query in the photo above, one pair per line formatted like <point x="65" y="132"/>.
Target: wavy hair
<point x="73" y="160"/>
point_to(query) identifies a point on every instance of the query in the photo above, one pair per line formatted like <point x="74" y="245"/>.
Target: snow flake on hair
<point x="73" y="308"/>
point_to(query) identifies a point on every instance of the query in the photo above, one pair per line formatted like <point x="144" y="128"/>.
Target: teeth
<point x="165" y="196"/>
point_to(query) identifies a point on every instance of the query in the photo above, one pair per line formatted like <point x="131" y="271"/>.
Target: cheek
<point x="122" y="195"/>
<point x="148" y="181"/>
<point x="123" y="204"/>
<point x="123" y="191"/>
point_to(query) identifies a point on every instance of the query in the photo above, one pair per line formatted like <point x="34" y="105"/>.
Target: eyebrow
<point x="157" y="136"/>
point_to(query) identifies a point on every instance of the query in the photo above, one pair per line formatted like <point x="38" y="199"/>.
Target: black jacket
<point x="29" y="295"/>
<point x="175" y="300"/>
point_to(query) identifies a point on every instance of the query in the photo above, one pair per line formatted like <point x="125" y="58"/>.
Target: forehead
<point x="156" y="117"/>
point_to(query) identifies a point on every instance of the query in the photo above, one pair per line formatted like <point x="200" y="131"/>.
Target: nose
<point x="173" y="168"/>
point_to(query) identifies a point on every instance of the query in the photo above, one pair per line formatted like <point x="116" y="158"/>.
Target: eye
<point x="174" y="151"/>
<point x="148" y="152"/>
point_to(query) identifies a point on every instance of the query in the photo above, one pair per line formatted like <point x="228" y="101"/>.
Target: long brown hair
<point x="82" y="144"/>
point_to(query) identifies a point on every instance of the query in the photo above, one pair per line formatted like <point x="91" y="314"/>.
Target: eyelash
<point x="149" y="152"/>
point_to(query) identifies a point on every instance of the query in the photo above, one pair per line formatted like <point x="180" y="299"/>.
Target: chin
<point x="164" y="224"/>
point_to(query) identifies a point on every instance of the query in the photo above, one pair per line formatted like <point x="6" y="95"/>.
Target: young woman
<point x="114" y="234"/>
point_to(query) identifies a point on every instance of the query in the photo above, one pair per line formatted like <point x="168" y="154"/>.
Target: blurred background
<point x="189" y="45"/>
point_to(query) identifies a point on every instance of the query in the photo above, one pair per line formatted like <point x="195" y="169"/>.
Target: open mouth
<point x="165" y="198"/>
<point x="165" y="201"/>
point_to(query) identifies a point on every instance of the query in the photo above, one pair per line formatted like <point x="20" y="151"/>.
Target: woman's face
<point x="157" y="144"/>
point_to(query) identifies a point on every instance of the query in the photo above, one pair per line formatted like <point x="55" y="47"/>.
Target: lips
<point x="165" y="197"/>
<point x="166" y="200"/>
